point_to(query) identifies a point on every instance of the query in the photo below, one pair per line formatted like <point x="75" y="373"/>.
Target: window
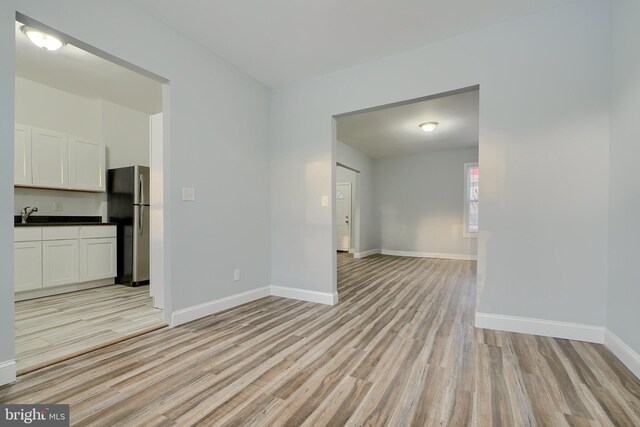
<point x="472" y="176"/>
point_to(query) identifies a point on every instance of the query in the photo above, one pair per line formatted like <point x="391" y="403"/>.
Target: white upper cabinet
<point x="49" y="159"/>
<point x="86" y="165"/>
<point x="22" y="155"/>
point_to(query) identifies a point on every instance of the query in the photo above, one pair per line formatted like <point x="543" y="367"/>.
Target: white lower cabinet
<point x="27" y="262"/>
<point x="50" y="260"/>
<point x="97" y="259"/>
<point x="59" y="262"/>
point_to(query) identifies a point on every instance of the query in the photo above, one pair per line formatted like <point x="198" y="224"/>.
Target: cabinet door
<point x="49" y="159"/>
<point x="59" y="262"/>
<point x="86" y="165"/>
<point x="97" y="259"/>
<point x="22" y="155"/>
<point x="27" y="262"/>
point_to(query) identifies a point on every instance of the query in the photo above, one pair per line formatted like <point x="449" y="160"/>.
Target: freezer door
<point x="141" y="228"/>
<point x="141" y="183"/>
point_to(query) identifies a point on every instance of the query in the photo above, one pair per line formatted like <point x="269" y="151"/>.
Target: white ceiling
<point x="395" y="131"/>
<point x="281" y="41"/>
<point x="79" y="72"/>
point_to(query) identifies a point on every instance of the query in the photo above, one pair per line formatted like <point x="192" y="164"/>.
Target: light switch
<point x="325" y="200"/>
<point x="188" y="194"/>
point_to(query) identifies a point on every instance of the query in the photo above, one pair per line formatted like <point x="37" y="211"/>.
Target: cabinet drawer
<point x="27" y="234"/>
<point x="59" y="233"/>
<point x="97" y="231"/>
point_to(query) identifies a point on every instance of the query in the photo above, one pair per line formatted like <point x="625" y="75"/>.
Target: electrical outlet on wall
<point x="236" y="274"/>
<point x="57" y="206"/>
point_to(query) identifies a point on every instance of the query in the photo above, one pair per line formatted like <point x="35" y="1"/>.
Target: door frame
<point x="161" y="244"/>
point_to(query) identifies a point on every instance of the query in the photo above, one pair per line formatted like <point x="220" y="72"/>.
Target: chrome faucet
<point x="26" y="213"/>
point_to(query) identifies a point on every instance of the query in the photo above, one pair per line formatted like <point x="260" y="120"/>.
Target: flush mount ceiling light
<point x="429" y="126"/>
<point x="42" y="40"/>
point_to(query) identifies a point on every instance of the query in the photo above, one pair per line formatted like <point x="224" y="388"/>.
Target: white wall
<point x="623" y="313"/>
<point x="7" y="116"/>
<point x="544" y="128"/>
<point x="218" y="144"/>
<point x="73" y="202"/>
<point x="367" y="230"/>
<point x="420" y="202"/>
<point x="125" y="132"/>
<point x="50" y="108"/>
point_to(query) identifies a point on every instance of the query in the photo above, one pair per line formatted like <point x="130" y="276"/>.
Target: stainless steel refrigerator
<point x="128" y="207"/>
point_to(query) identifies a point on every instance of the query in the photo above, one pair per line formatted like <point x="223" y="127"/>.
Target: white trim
<point x="366" y="253"/>
<point x="622" y="351"/>
<point x="63" y="289"/>
<point x="566" y="330"/>
<point x="305" y="295"/>
<point x="429" y="255"/>
<point x="188" y="314"/>
<point x="548" y="328"/>
<point x="7" y="372"/>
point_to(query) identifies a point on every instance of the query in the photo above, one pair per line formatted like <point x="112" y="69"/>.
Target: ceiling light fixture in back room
<point x="429" y="126"/>
<point x="42" y="40"/>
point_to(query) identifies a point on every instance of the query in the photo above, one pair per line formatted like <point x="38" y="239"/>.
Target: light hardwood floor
<point x="55" y="327"/>
<point x="398" y="350"/>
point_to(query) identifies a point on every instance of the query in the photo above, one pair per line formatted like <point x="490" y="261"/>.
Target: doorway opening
<point x="416" y="168"/>
<point x="88" y="200"/>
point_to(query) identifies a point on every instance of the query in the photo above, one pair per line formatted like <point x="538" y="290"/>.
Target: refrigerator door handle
<point x="141" y="189"/>
<point x="141" y="220"/>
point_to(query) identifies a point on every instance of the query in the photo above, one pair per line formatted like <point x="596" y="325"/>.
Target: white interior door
<point x="343" y="215"/>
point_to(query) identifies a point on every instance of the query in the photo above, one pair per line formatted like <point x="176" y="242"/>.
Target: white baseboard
<point x="7" y="372"/>
<point x="189" y="314"/>
<point x="305" y="295"/>
<point x="547" y="328"/>
<point x="630" y="358"/>
<point x="366" y="253"/>
<point x="197" y="311"/>
<point x="430" y="255"/>
<point x="56" y="290"/>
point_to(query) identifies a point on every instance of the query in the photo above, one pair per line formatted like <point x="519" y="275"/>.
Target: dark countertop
<point x="59" y="221"/>
<point x="62" y="224"/>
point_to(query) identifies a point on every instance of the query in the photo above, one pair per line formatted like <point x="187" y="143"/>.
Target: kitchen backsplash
<point x="60" y="203"/>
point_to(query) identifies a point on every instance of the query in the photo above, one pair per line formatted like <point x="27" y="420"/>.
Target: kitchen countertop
<point x="62" y="224"/>
<point x="59" y="221"/>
